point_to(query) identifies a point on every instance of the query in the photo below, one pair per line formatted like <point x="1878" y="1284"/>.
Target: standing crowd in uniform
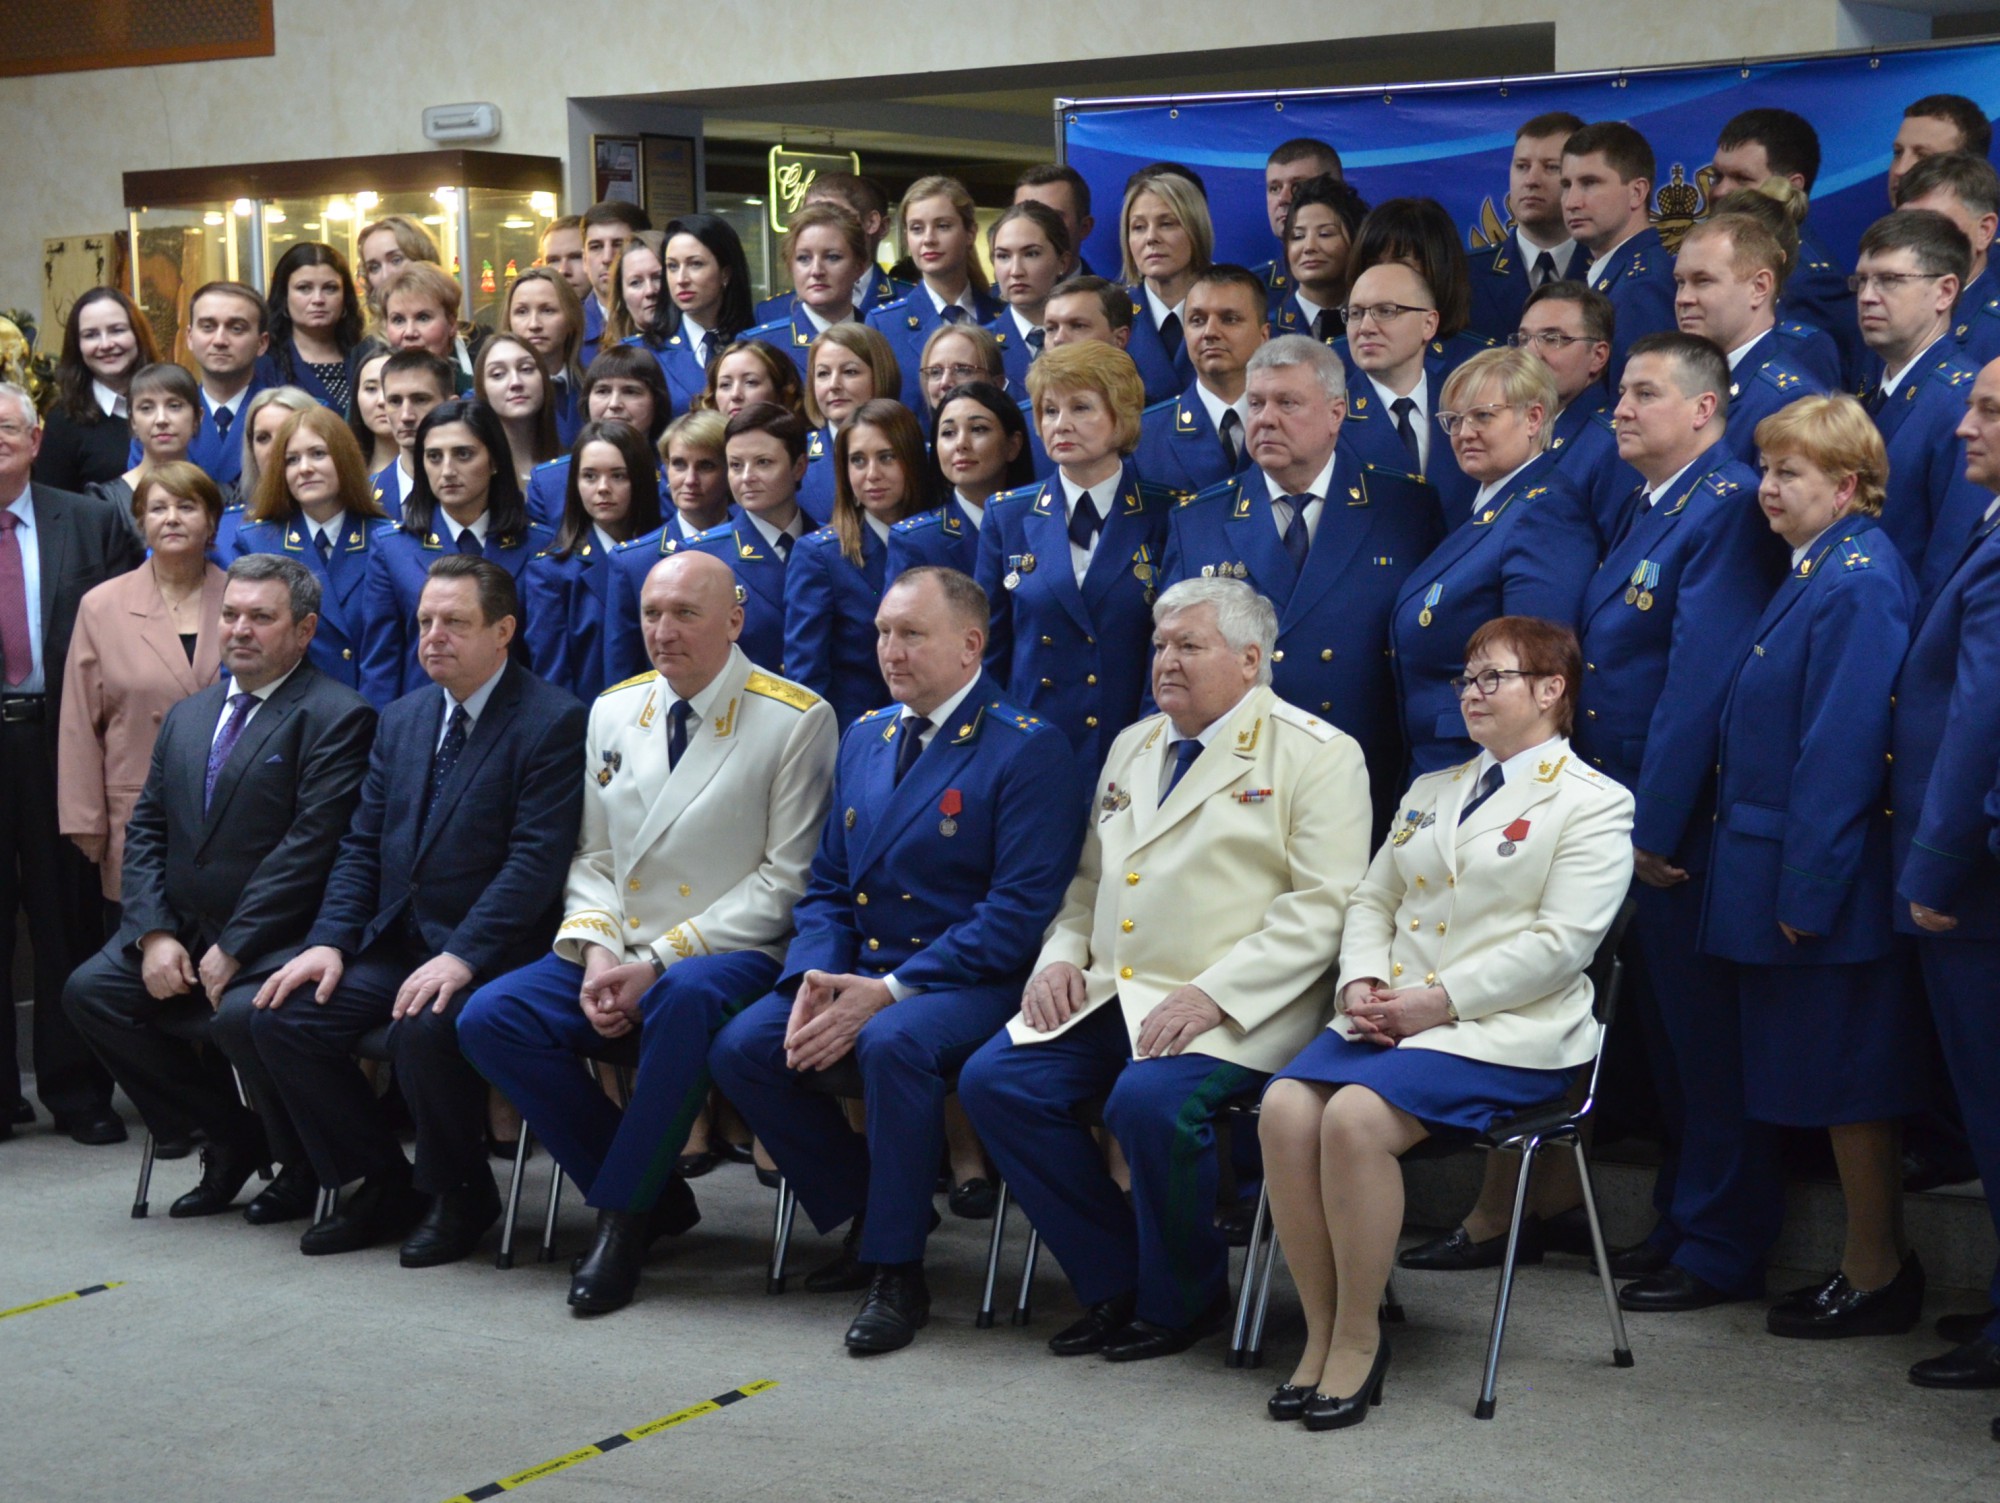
<point x="1003" y="726"/>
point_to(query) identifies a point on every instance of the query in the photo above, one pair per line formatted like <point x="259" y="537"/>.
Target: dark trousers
<point x="526" y="1031"/>
<point x="308" y="1047"/>
<point x="45" y="875"/>
<point x="1163" y="1245"/>
<point x="1963" y="977"/>
<point x="1729" y="1203"/>
<point x="905" y="1053"/>
<point x="178" y="1088"/>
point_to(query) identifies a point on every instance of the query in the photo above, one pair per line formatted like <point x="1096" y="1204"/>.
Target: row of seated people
<point x="1754" y="922"/>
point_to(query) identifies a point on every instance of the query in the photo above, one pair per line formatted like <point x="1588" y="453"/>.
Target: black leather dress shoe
<point x="1456" y="1252"/>
<point x="1963" y="1326"/>
<point x="1288" y="1401"/>
<point x="606" y="1277"/>
<point x="1099" y="1323"/>
<point x="1325" y="1412"/>
<point x="695" y="1165"/>
<point x="737" y="1153"/>
<point x="898" y="1306"/>
<point x="1672" y="1289"/>
<point x="1839" y="1309"/>
<point x="225" y="1169"/>
<point x="382" y="1208"/>
<point x="770" y="1179"/>
<point x="453" y="1225"/>
<point x="1639" y="1260"/>
<point x="287" y="1198"/>
<point x="95" y="1128"/>
<point x="1140" y="1340"/>
<point x="1976" y="1364"/>
<point x="975" y="1199"/>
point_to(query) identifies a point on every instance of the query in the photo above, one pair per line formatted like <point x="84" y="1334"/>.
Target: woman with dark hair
<point x="513" y="383"/>
<point x="613" y="495"/>
<point x="1322" y="224"/>
<point x="625" y="384"/>
<point x="1031" y="252"/>
<point x="316" y="323"/>
<point x="166" y="412"/>
<point x="464" y="499"/>
<point x="981" y="449"/>
<point x="939" y="226"/>
<point x="314" y="503"/>
<point x="827" y="254"/>
<point x="368" y="413"/>
<point x="749" y="372"/>
<point x="834" y="585"/>
<point x="541" y="310"/>
<point x="707" y="305"/>
<point x="1420" y="234"/>
<point x="87" y="435"/>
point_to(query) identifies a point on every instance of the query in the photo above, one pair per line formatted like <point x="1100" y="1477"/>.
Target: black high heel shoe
<point x="1288" y="1401"/>
<point x="1322" y="1412"/>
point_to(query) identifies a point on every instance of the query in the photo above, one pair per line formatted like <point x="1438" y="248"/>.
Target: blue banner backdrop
<point x="1453" y="141"/>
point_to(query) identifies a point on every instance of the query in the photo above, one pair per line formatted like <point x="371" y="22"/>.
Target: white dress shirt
<point x="1489" y="493"/>
<point x="451" y="530"/>
<point x="230" y="691"/>
<point x="1103" y="495"/>
<point x="795" y="530"/>
<point x="110" y="403"/>
<point x="1419" y="420"/>
<point x="1891" y="382"/>
<point x="474" y="705"/>
<point x="975" y="511"/>
<point x="1281" y="510"/>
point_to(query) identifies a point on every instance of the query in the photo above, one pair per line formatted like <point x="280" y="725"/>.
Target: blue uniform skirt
<point x="1827" y="1044"/>
<point x="1448" y="1093"/>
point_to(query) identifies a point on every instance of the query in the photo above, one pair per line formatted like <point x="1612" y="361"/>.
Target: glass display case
<point x="485" y="209"/>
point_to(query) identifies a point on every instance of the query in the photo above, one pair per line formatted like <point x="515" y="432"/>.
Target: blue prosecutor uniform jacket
<point x="1584" y="445"/>
<point x="1817" y="295"/>
<point x="1666" y="619"/>
<point x="907" y="324"/>
<point x="1375" y="528"/>
<point x="1276" y="277"/>
<point x="223" y="548"/>
<point x="686" y="377"/>
<point x="388" y="486"/>
<point x="548" y="489"/>
<point x="830" y="607"/>
<point x="1639" y="280"/>
<point x="398" y="562"/>
<point x="793" y="332"/>
<point x="1500" y="284"/>
<point x="877" y="289"/>
<point x="760" y="573"/>
<point x="220" y="455"/>
<point x="1528" y="552"/>
<point x="815" y="497"/>
<point x="1370" y="430"/>
<point x="1919" y="423"/>
<point x="1180" y="449"/>
<point x="949" y="878"/>
<point x="593" y="330"/>
<point x="1165" y="373"/>
<point x="336" y="645"/>
<point x="1812" y="352"/>
<point x="630" y="562"/>
<point x="1765" y="380"/>
<point x="1077" y="656"/>
<point x="1976" y="322"/>
<point x="945" y="536"/>
<point x="1947" y="746"/>
<point x="1801" y="826"/>
<point x="566" y="603"/>
<point x="1287" y="315"/>
<point x="1016" y="354"/>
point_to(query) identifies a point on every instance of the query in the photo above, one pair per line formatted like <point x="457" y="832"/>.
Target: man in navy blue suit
<point x="1607" y="196"/>
<point x="1192" y="441"/>
<point x="451" y="874"/>
<point x="228" y="331"/>
<point x="953" y="832"/>
<point x="1537" y="250"/>
<point x="1933" y="125"/>
<point x="1965" y="189"/>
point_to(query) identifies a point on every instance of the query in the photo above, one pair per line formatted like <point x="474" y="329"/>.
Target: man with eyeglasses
<point x="1202" y="436"/>
<point x="1568" y="327"/>
<point x="1906" y="282"/>
<point x="1327" y="537"/>
<point x="1666" y="620"/>
<point x="1607" y="194"/>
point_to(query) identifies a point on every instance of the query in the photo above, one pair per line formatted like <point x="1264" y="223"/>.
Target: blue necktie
<point x="785" y="541"/>
<point x="1231" y="434"/>
<point x="1084" y="522"/>
<point x="1170" y="335"/>
<point x="446" y="758"/>
<point x="955" y="314"/>
<point x="1035" y="337"/>
<point x="1406" y="430"/>
<point x="1298" y="542"/>
<point x="223" y="418"/>
<point x="912" y="742"/>
<point x="1185" y="751"/>
<point x="1545" y="269"/>
<point x="1489" y="785"/>
<point x="324" y="543"/>
<point x="677" y="732"/>
<point x="467" y="543"/>
<point x="225" y="743"/>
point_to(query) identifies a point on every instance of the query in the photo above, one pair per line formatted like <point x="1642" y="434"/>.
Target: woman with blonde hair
<point x="420" y="312"/>
<point x="542" y="311"/>
<point x="939" y="231"/>
<point x="847" y="365"/>
<point x="1168" y="241"/>
<point x="827" y="254"/>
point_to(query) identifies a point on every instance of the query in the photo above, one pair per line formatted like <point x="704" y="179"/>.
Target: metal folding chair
<point x="192" y="1027"/>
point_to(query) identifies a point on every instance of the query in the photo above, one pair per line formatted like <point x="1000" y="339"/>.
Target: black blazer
<point x="82" y="541"/>
<point x="75" y="454"/>
<point x="490" y="890"/>
<point x="249" y="873"/>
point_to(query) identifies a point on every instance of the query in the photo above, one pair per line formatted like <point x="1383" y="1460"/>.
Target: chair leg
<point x="781" y="1236"/>
<point x="985" y="1319"/>
<point x="1621" y="1349"/>
<point x="329" y="1202"/>
<point x="1256" y="1357"/>
<point x="1392" y="1306"/>
<point x="145" y="1181"/>
<point x="1239" y="1354"/>
<point x="1484" y="1408"/>
<point x="1023" y="1311"/>
<point x="548" y="1252"/>
<point x="512" y="1215"/>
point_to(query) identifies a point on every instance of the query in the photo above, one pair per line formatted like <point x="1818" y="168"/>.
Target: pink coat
<point x="126" y="669"/>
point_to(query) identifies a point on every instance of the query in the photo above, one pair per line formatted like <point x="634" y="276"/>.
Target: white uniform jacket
<point x="712" y="859"/>
<point x="1504" y="911"/>
<point x="1237" y="883"/>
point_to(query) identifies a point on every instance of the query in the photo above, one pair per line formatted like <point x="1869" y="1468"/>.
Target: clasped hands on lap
<point x="168" y="970"/>
<point x="1057" y="991"/>
<point x="827" y="1017"/>
<point x="1386" y="1016"/>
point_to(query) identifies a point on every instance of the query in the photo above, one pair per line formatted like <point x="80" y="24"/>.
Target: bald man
<point x="705" y="785"/>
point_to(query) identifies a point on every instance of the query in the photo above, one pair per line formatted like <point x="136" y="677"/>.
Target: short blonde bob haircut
<point x="1835" y="435"/>
<point x="1180" y="195"/>
<point x="1094" y="367"/>
<point x="1523" y="380"/>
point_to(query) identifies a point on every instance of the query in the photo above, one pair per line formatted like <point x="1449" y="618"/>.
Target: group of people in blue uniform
<point x="1757" y="489"/>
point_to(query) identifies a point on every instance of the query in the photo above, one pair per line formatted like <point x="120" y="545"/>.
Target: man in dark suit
<point x="452" y="874"/>
<point x="252" y="781"/>
<point x="1537" y="251"/>
<point x="54" y="547"/>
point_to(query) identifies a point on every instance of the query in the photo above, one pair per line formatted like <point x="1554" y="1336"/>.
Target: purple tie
<point x="17" y="648"/>
<point x="225" y="743"/>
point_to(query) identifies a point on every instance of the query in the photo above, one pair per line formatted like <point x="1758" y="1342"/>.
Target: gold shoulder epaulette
<point x="638" y="678"/>
<point x="781" y="690"/>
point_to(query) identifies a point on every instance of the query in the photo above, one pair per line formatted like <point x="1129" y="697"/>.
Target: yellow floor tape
<point x="56" y="1299"/>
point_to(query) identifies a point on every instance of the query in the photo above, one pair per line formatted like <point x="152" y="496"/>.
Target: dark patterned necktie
<point x="240" y="705"/>
<point x="1406" y="430"/>
<point x="449" y="751"/>
<point x="1035" y="337"/>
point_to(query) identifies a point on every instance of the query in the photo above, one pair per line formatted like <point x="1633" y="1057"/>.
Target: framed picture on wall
<point x="669" y="177"/>
<point x="616" y="161"/>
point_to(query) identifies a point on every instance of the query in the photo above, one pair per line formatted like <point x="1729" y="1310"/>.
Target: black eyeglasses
<point x="1383" y="313"/>
<point x="1891" y="281"/>
<point x="1488" y="683"/>
<point x="1548" y="339"/>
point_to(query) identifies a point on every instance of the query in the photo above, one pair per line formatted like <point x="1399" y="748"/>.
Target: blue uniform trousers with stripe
<point x="1163" y="1245"/>
<point x="525" y="1032"/>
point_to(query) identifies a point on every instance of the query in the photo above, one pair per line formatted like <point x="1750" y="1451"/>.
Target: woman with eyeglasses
<point x="952" y="356"/>
<point x="1322" y="223"/>
<point x="1461" y="998"/>
<point x="1527" y="547"/>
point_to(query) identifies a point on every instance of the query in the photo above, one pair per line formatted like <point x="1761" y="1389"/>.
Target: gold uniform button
<point x="1413" y="926"/>
<point x="1126" y="925"/>
<point x="1430" y="978"/>
<point x="1278" y="656"/>
<point x="1590" y="667"/>
<point x="347" y="654"/>
<point x="633" y="884"/>
<point x="1396" y="969"/>
<point x="1125" y="973"/>
<point x="1326" y="654"/>
<point x="1590" y="714"/>
<point x="1048" y="683"/>
<point x="1440" y="927"/>
<point x="1451" y="881"/>
<point x="1048" y="641"/>
<point x="874" y="944"/>
<point x="1131" y="879"/>
<point x="633" y="922"/>
<point x="1326" y="704"/>
<point x="1090" y="721"/>
<point x="685" y="889"/>
<point x="1090" y="678"/>
<point x="861" y="898"/>
<point x="1888" y="756"/>
<point x="1420" y="881"/>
